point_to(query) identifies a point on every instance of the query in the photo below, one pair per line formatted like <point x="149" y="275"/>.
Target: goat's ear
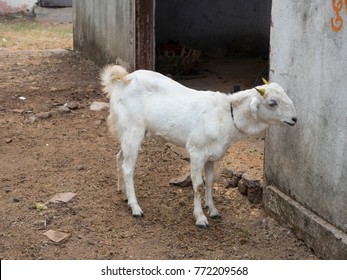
<point x="255" y="104"/>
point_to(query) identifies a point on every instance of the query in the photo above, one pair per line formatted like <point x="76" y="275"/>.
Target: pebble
<point x="255" y="195"/>
<point x="242" y="188"/>
<point x="19" y="111"/>
<point x="80" y="167"/>
<point x="226" y="172"/>
<point x="16" y="200"/>
<point x="98" y="106"/>
<point x="184" y="181"/>
<point x="249" y="181"/>
<point x="233" y="182"/>
<point x="90" y="242"/>
<point x="98" y="123"/>
<point x="73" y="105"/>
<point x="8" y="140"/>
<point x="64" y="109"/>
<point x="44" y="115"/>
<point x="32" y="119"/>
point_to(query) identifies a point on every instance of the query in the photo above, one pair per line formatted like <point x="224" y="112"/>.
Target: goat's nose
<point x="294" y="119"/>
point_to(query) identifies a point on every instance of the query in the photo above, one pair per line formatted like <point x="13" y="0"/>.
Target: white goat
<point x="206" y="123"/>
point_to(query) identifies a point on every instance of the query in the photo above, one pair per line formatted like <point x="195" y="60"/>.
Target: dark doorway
<point x="219" y="29"/>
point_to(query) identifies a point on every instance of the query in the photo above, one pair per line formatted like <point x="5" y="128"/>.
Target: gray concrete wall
<point x="308" y="163"/>
<point x="231" y="26"/>
<point x="104" y="31"/>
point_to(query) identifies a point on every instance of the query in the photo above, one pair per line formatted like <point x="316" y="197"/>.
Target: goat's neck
<point x="244" y="121"/>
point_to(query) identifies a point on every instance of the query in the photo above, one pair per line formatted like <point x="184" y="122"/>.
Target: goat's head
<point x="273" y="106"/>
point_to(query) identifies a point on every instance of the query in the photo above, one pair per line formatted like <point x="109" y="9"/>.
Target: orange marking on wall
<point x="337" y="22"/>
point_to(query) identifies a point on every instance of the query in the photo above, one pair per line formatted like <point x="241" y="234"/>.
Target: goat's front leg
<point x="209" y="180"/>
<point x="197" y="166"/>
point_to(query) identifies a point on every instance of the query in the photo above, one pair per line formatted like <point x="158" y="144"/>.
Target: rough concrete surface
<point x="328" y="241"/>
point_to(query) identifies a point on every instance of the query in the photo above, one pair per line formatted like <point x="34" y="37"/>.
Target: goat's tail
<point x="111" y="75"/>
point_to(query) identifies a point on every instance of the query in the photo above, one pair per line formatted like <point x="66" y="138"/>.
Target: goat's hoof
<point x="203" y="226"/>
<point x="213" y="213"/>
<point x="202" y="223"/>
<point x="138" y="216"/>
<point x="216" y="217"/>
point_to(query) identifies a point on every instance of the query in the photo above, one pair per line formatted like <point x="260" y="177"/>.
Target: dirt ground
<point x="44" y="151"/>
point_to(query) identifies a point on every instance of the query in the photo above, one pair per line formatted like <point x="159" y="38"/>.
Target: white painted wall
<point x="308" y="58"/>
<point x="7" y="6"/>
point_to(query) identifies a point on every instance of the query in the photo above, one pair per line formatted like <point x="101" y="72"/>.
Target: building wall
<point x="308" y="163"/>
<point x="104" y="30"/>
<point x="12" y="6"/>
<point x="230" y="26"/>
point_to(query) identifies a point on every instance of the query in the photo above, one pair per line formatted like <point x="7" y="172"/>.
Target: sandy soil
<point x="44" y="151"/>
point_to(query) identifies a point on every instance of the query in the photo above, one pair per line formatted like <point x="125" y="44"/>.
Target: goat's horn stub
<point x="261" y="91"/>
<point x="265" y="81"/>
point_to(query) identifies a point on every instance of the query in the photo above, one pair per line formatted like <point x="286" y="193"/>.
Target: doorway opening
<point x="225" y="39"/>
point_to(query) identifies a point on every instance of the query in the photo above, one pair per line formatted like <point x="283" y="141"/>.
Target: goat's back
<point x="167" y="109"/>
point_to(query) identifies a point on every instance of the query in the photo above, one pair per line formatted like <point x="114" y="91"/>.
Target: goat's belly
<point x="166" y="137"/>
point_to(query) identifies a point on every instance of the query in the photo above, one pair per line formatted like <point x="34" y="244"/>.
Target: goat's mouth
<point x="289" y="123"/>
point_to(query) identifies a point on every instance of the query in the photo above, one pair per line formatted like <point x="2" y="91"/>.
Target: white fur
<point x="146" y="103"/>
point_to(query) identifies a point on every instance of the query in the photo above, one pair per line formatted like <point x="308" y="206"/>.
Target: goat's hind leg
<point x="121" y="183"/>
<point x="209" y="174"/>
<point x="197" y="166"/>
<point x="130" y="147"/>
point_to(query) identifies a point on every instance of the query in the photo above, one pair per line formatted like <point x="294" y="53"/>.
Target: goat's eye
<point x="273" y="103"/>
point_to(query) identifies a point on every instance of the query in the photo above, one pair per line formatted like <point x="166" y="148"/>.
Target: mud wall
<point x="306" y="166"/>
<point x="104" y="31"/>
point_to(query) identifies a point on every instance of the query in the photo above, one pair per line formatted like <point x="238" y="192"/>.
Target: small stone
<point x="63" y="109"/>
<point x="249" y="181"/>
<point x="233" y="182"/>
<point x="80" y="167"/>
<point x="73" y="105"/>
<point x="19" y="111"/>
<point x="44" y="115"/>
<point x="8" y="140"/>
<point x="226" y="172"/>
<point x="90" y="242"/>
<point x="98" y="123"/>
<point x="98" y="106"/>
<point x="255" y="195"/>
<point x="16" y="200"/>
<point x="32" y="119"/>
<point x="242" y="187"/>
<point x="239" y="174"/>
<point x="56" y="236"/>
<point x="184" y="181"/>
<point x="62" y="197"/>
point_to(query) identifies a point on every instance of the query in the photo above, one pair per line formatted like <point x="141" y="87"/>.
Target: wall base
<point x="326" y="240"/>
